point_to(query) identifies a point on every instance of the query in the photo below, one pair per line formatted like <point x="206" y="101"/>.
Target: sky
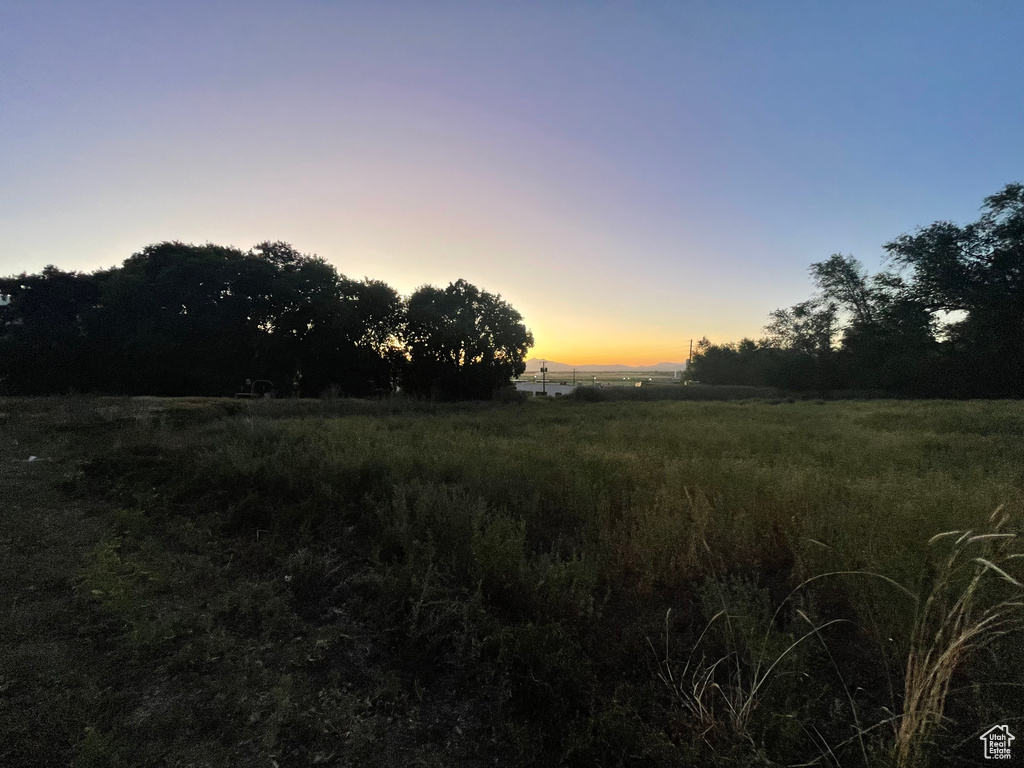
<point x="629" y="176"/>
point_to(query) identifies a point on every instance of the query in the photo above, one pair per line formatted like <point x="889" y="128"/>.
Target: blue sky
<point x="627" y="176"/>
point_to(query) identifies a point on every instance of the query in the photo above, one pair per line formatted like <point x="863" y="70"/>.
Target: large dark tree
<point x="182" y="319"/>
<point x="332" y="332"/>
<point x="973" y="277"/>
<point x="179" y="319"/>
<point x="886" y="335"/>
<point x="43" y="331"/>
<point x="462" y="342"/>
<point x="945" y="318"/>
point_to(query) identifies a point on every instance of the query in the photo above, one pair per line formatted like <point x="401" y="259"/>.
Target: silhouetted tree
<point x="337" y="332"/>
<point x="180" y="319"/>
<point x="462" y="342"/>
<point x="945" y="318"/>
<point x="810" y="328"/>
<point x="887" y="335"/>
<point x="43" y="342"/>
<point x="974" y="276"/>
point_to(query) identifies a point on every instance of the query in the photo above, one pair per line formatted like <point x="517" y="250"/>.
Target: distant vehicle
<point x="257" y="389"/>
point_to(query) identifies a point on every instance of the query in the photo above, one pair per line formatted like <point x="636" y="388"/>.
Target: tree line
<point x="943" y="318"/>
<point x="180" y="319"/>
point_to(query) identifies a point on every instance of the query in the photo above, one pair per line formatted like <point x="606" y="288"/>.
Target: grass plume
<point x="972" y="600"/>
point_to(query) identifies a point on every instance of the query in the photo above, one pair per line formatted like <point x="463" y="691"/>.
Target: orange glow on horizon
<point x="620" y="346"/>
<point x="613" y="351"/>
<point x="610" y="358"/>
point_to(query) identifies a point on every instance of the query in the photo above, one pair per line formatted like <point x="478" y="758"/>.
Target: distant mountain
<point x="533" y="364"/>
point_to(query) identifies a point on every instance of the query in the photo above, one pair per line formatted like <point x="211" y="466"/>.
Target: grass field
<point x="751" y="582"/>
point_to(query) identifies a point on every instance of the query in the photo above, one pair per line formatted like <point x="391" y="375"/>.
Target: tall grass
<point x="971" y="601"/>
<point x="552" y="539"/>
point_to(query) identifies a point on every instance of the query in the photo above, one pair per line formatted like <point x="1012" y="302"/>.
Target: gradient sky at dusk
<point x="627" y="176"/>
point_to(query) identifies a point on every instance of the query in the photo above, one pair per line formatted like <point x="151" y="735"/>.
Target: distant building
<point x="537" y="388"/>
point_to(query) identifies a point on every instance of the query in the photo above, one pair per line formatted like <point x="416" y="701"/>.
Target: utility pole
<point x="544" y="377"/>
<point x="689" y="360"/>
<point x="574" y="377"/>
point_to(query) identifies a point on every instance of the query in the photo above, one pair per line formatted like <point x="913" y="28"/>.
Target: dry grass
<point x="972" y="601"/>
<point x="263" y="555"/>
